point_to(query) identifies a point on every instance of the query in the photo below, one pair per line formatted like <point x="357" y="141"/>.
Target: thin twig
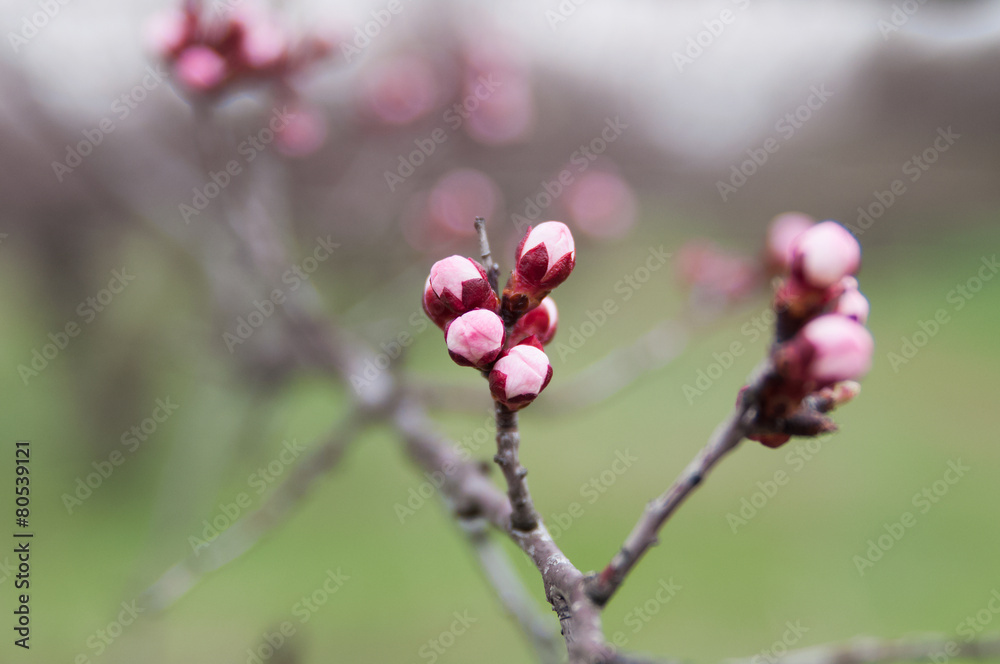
<point x="523" y="515"/>
<point x="470" y="493"/>
<point x="492" y="269"/>
<point x="724" y="440"/>
<point x="617" y="370"/>
<point x="497" y="568"/>
<point x="248" y="531"/>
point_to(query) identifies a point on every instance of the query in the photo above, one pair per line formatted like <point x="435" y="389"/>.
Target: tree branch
<point x="591" y="385"/>
<point x="724" y="440"/>
<point x="877" y="651"/>
<point x="497" y="569"/>
<point x="523" y="516"/>
<point x="244" y="534"/>
<point x="492" y="269"/>
<point x="468" y="492"/>
<point x="618" y="369"/>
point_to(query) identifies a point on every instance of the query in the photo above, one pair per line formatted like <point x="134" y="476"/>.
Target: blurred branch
<point x="619" y="369"/>
<point x="497" y="569"/>
<point x="248" y="531"/>
<point x="592" y="385"/>
<point x="877" y="651"/>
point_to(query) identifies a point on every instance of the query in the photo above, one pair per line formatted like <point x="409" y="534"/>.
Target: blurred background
<point x="152" y="202"/>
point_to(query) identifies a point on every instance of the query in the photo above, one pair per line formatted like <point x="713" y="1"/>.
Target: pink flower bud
<point x="781" y="236"/>
<point x="457" y="285"/>
<point x="825" y="254"/>
<point x="497" y="76"/>
<point x="602" y="205"/>
<point x="835" y="349"/>
<point x="507" y="115"/>
<point x="852" y="304"/>
<point x="462" y="195"/>
<point x="546" y="255"/>
<point x="303" y="134"/>
<point x="435" y="309"/>
<point x="400" y="91"/>
<point x="475" y="339"/>
<point x="200" y="68"/>
<point x="519" y="376"/>
<point x="263" y="43"/>
<point x="540" y="322"/>
<point x="167" y="33"/>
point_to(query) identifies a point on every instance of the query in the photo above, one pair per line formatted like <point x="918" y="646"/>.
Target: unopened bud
<point x="545" y="258"/>
<point x="781" y="236"/>
<point x="475" y="339"/>
<point x="852" y="304"/>
<point x="540" y="322"/>
<point x="825" y="254"/>
<point x="829" y="349"/>
<point x="519" y="376"/>
<point x="200" y="68"/>
<point x="457" y="285"/>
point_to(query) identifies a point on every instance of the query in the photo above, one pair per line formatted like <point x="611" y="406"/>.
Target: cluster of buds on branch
<point x="504" y="337"/>
<point x="212" y="57"/>
<point x="209" y="56"/>
<point x="822" y="346"/>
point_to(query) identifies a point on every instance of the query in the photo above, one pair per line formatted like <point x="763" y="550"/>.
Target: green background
<point x="793" y="561"/>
